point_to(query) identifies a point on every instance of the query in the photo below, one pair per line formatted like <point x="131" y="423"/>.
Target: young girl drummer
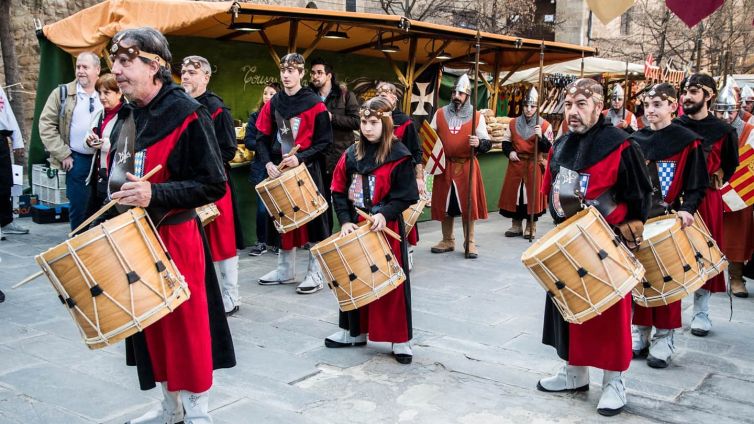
<point x="376" y="175"/>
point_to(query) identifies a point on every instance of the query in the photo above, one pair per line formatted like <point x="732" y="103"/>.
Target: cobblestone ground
<point x="477" y="353"/>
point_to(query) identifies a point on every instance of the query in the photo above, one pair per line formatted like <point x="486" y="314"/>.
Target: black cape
<point x="712" y="130"/>
<point x="197" y="178"/>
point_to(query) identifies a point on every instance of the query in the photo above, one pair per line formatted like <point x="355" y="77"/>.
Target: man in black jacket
<point x="343" y="108"/>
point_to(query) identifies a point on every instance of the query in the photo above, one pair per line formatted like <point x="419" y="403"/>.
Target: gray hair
<point x="149" y="40"/>
<point x="93" y="57"/>
<point x="203" y="63"/>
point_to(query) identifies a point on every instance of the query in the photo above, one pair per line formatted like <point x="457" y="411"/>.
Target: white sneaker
<point x="568" y="379"/>
<point x="343" y="338"/>
<point x="613" y="398"/>
<point x="170" y="411"/>
<point x="285" y="273"/>
<point x="661" y="349"/>
<point x="313" y="281"/>
<point x="640" y="340"/>
<point x="700" y="323"/>
<point x="14" y="228"/>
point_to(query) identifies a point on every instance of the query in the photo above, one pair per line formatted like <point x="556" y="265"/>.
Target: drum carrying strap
<point x="285" y="135"/>
<point x="567" y="196"/>
<point x="123" y="155"/>
<point x="659" y="206"/>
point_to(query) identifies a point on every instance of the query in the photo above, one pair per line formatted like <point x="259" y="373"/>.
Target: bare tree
<point x="718" y="45"/>
<point x="511" y="17"/>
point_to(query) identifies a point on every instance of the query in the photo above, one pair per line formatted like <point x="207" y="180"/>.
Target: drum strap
<point x="659" y="206"/>
<point x="123" y="157"/>
<point x="567" y="198"/>
<point x="285" y="133"/>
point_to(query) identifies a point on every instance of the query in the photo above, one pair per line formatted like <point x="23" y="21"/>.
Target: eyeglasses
<point x="91" y="104"/>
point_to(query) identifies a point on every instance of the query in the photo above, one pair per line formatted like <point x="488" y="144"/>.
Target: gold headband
<point x="289" y="64"/>
<point x="708" y="90"/>
<point x="133" y="52"/>
<point x="367" y="113"/>
<point x="662" y="95"/>
<point x="586" y="91"/>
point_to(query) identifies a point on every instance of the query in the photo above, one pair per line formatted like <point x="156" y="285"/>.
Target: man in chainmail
<point x="461" y="144"/>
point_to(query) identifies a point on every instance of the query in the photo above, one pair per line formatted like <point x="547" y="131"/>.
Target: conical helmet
<point x="616" y="93"/>
<point x="532" y="97"/>
<point x="727" y="99"/>
<point x="463" y="85"/>
<point x="747" y="94"/>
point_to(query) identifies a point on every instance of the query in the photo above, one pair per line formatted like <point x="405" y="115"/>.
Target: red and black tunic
<point x="720" y="144"/>
<point x="388" y="188"/>
<point x="405" y="131"/>
<point x="677" y="169"/>
<point x="606" y="161"/>
<point x="312" y="132"/>
<point x="223" y="233"/>
<point x="182" y="348"/>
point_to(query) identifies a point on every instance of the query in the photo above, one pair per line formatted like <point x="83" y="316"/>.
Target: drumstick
<point x="291" y="152"/>
<point x="387" y="230"/>
<point x="28" y="279"/>
<point x="110" y="204"/>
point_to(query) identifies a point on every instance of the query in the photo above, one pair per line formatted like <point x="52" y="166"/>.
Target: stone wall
<point x="23" y="13"/>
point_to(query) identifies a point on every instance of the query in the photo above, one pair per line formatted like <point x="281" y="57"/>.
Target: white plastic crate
<point x="48" y="184"/>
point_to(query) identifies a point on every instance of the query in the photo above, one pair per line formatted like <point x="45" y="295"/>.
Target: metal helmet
<point x="747" y="94"/>
<point x="616" y="93"/>
<point x="532" y="97"/>
<point x="727" y="99"/>
<point x="463" y="85"/>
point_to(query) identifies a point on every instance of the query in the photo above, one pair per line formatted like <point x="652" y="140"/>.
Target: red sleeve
<point x="339" y="179"/>
<point x="547" y="177"/>
<point x="264" y="120"/>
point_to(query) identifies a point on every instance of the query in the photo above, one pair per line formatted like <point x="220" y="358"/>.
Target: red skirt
<point x="180" y="346"/>
<point x="665" y="317"/>
<point x="221" y="233"/>
<point x="604" y="341"/>
<point x="711" y="210"/>
<point x="386" y="319"/>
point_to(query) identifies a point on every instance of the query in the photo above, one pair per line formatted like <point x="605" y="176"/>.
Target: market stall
<point x="245" y="41"/>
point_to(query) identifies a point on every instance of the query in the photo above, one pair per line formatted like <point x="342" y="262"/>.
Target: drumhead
<point x="658" y="227"/>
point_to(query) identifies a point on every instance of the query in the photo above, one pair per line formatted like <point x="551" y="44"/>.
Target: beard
<point x="457" y="103"/>
<point x="693" y="108"/>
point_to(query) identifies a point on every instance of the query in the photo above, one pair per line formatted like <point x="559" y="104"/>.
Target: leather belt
<point x="458" y="160"/>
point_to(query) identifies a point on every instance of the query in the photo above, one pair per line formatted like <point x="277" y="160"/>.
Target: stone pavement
<point x="477" y="353"/>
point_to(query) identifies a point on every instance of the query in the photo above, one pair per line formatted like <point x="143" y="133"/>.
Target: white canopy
<point x="592" y="66"/>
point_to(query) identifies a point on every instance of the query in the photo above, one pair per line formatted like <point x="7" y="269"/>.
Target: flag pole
<point x="535" y="159"/>
<point x="474" y="99"/>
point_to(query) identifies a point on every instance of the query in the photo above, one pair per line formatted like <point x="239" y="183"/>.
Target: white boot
<point x="402" y="352"/>
<point x="613" y="397"/>
<point x="196" y="406"/>
<point x="285" y="273"/>
<point x="640" y="340"/>
<point x="313" y="281"/>
<point x="343" y="338"/>
<point x="568" y="379"/>
<point x="227" y="273"/>
<point x="169" y="411"/>
<point x="662" y="348"/>
<point x="700" y="323"/>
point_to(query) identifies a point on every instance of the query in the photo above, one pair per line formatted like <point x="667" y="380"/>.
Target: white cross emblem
<point x="422" y="98"/>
